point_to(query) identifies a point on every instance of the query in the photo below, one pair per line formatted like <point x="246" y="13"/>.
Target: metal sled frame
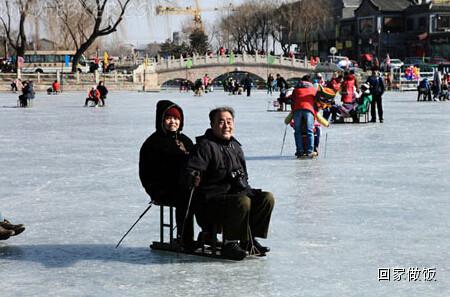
<point x="172" y="245"/>
<point x="348" y="119"/>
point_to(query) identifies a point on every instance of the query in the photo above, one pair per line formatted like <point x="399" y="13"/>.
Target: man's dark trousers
<point x="378" y="103"/>
<point x="238" y="214"/>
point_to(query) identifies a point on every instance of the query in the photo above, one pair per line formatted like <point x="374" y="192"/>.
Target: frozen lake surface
<point x="379" y="199"/>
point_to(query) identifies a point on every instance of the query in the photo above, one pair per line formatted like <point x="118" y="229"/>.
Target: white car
<point x="395" y="63"/>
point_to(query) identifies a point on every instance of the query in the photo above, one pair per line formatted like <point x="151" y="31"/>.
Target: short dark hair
<point x="215" y="111"/>
<point x="306" y="77"/>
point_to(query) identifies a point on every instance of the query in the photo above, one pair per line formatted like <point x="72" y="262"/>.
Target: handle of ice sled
<point x="140" y="217"/>
<point x="284" y="139"/>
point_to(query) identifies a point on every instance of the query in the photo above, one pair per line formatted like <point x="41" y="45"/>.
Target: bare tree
<point x="233" y="31"/>
<point x="310" y="25"/>
<point x="13" y="17"/>
<point x="66" y="24"/>
<point x="87" y="20"/>
<point x="285" y="25"/>
<point x="250" y="24"/>
<point x="302" y="22"/>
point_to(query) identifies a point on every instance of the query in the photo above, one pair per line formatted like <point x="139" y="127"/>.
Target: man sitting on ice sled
<point x="222" y="195"/>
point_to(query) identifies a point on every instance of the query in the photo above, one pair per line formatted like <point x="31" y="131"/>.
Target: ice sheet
<point x="378" y="200"/>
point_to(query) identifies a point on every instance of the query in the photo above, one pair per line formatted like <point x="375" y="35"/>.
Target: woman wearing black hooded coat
<point x="162" y="158"/>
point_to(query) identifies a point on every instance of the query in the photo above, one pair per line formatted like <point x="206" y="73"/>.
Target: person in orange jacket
<point x="93" y="95"/>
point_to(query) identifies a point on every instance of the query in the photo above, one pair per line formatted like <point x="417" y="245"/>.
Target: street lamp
<point x="379" y="43"/>
<point x="388" y="45"/>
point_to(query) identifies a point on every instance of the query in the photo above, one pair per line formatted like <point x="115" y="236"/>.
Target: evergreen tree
<point x="199" y="42"/>
<point x="169" y="48"/>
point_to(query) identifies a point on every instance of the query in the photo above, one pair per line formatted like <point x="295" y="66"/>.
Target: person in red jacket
<point x="93" y="95"/>
<point x="335" y="84"/>
<point x="55" y="86"/>
<point x="303" y="104"/>
<point x="347" y="88"/>
<point x="349" y="92"/>
<point x="54" y="89"/>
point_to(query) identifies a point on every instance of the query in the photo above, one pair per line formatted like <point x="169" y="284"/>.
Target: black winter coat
<point x="221" y="165"/>
<point x="103" y="91"/>
<point x="162" y="159"/>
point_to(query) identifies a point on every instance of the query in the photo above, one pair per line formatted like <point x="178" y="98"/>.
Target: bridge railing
<point x="197" y="60"/>
<point x="44" y="80"/>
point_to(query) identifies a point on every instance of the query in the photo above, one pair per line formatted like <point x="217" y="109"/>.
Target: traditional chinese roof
<point x="390" y="5"/>
<point x="348" y="3"/>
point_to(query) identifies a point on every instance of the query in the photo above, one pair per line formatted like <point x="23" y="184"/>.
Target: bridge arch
<point x="239" y="76"/>
<point x="196" y="67"/>
<point x="176" y="82"/>
<point x="215" y="71"/>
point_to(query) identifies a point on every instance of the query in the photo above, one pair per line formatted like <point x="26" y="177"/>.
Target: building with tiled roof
<point x="401" y="28"/>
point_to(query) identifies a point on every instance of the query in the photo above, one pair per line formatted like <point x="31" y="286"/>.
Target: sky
<point x="142" y="26"/>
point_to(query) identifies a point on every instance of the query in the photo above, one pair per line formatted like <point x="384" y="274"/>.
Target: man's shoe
<point x="381" y="121"/>
<point x="373" y="121"/>
<point x="257" y="247"/>
<point x="16" y="228"/>
<point x="233" y="251"/>
<point x="5" y="234"/>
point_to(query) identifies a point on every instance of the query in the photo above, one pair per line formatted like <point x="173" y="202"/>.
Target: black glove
<point x="193" y="179"/>
<point x="197" y="180"/>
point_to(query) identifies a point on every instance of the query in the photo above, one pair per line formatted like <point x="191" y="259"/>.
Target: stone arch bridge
<point x="154" y="74"/>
